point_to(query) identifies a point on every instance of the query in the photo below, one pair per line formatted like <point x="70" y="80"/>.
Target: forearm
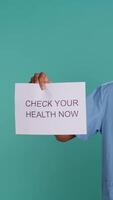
<point x="64" y="138"/>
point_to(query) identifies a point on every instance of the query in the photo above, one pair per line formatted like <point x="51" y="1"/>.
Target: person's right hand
<point x="42" y="79"/>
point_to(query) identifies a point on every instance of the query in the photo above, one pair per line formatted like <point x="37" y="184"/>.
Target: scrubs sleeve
<point x="93" y="113"/>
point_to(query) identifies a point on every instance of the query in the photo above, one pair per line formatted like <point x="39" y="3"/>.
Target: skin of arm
<point x="42" y="79"/>
<point x="64" y="138"/>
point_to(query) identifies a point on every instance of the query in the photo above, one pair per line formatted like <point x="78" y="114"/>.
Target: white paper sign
<point x="58" y="109"/>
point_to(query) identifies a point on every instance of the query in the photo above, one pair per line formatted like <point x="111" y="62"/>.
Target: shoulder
<point x="107" y="87"/>
<point x="107" y="90"/>
<point x="102" y="93"/>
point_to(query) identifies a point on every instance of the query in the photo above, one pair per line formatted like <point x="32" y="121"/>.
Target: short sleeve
<point x="93" y="113"/>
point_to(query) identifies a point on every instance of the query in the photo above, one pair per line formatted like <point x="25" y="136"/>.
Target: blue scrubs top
<point x="100" y="119"/>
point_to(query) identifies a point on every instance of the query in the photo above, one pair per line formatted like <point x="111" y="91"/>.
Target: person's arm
<point x="42" y="79"/>
<point x="64" y="138"/>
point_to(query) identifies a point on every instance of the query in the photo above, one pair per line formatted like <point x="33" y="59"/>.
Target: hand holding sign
<point x="60" y="108"/>
<point x="42" y="79"/>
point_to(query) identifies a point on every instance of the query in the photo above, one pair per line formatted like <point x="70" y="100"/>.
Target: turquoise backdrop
<point x="70" y="40"/>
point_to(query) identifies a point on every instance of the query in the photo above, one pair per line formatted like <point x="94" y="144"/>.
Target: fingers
<point x="40" y="78"/>
<point x="43" y="79"/>
<point x="34" y="79"/>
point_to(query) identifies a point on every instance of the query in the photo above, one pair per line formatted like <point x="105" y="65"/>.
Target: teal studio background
<point x="70" y="41"/>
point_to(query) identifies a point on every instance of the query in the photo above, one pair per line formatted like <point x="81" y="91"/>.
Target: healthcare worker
<point x="99" y="105"/>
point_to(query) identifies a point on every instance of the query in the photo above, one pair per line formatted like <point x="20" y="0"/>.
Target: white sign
<point x="58" y="109"/>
